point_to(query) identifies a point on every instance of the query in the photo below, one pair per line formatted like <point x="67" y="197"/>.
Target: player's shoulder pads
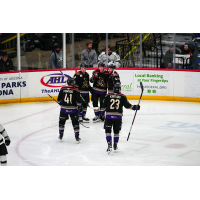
<point x="115" y="73"/>
<point x="78" y="72"/>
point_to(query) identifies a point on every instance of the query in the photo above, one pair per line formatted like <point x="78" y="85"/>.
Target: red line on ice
<point x="24" y="138"/>
<point x="28" y="116"/>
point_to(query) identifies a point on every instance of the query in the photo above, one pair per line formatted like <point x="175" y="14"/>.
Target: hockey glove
<point x="95" y="78"/>
<point x="137" y="107"/>
<point x="80" y="109"/>
<point x="7" y="141"/>
<point x="102" y="117"/>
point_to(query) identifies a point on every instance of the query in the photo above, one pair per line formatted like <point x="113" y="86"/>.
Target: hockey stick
<point x="54" y="99"/>
<point x="142" y="88"/>
<point x="80" y="94"/>
<point x="59" y="105"/>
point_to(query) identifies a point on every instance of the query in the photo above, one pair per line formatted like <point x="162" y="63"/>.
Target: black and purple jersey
<point x="82" y="82"/>
<point x="113" y="105"/>
<point x="99" y="81"/>
<point x="112" y="79"/>
<point x="69" y="99"/>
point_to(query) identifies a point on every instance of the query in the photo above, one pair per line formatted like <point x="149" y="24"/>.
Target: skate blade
<point x="109" y="151"/>
<point x="78" y="141"/>
<point x="85" y="121"/>
<point x="96" y="121"/>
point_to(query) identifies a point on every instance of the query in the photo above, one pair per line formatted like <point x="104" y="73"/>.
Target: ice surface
<point x="164" y="133"/>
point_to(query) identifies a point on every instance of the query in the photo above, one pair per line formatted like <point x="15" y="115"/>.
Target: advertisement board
<point x="160" y="84"/>
<point x="49" y="82"/>
<point x="13" y="85"/>
<point x="155" y="82"/>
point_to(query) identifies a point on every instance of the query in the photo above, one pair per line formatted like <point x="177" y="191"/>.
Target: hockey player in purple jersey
<point x="70" y="102"/>
<point x="113" y="105"/>
<point x="3" y="149"/>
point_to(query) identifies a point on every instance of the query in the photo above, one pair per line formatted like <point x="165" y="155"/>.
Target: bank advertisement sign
<point x="155" y="82"/>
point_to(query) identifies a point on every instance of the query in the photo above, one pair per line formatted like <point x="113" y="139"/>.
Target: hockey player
<point x="113" y="77"/>
<point x="3" y="149"/>
<point x="112" y="56"/>
<point x="113" y="105"/>
<point x="70" y="101"/>
<point x="99" y="79"/>
<point x="82" y="82"/>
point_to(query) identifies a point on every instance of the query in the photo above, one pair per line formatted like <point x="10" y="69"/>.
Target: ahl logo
<point x="54" y="80"/>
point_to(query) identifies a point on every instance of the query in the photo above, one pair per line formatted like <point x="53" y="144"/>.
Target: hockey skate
<point x="60" y="136"/>
<point x="115" y="146"/>
<point x="80" y="119"/>
<point x="85" y="120"/>
<point x="109" y="149"/>
<point x="77" y="138"/>
<point x="96" y="119"/>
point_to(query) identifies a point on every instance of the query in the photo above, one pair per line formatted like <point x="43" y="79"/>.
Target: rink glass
<point x="80" y="40"/>
<point x="36" y="48"/>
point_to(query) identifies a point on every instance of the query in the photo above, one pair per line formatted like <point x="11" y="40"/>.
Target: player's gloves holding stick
<point x="136" y="107"/>
<point x="80" y="109"/>
<point x="102" y="117"/>
<point x="7" y="141"/>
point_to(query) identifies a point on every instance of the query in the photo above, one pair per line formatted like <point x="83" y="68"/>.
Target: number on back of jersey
<point x="114" y="104"/>
<point x="68" y="98"/>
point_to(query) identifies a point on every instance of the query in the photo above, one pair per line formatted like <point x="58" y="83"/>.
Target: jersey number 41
<point x="68" y="98"/>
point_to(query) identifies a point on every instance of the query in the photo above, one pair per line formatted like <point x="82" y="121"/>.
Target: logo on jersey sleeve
<point x="54" y="80"/>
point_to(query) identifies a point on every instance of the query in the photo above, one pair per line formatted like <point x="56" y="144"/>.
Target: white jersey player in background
<point x="3" y="149"/>
<point x="112" y="57"/>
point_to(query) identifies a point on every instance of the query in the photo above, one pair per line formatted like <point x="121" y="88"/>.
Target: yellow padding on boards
<point x="129" y="97"/>
<point x="163" y="98"/>
<point x="25" y="100"/>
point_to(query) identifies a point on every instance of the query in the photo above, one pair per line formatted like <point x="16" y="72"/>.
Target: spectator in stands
<point x="112" y="57"/>
<point x="185" y="51"/>
<point x="95" y="42"/>
<point x="88" y="56"/>
<point x="168" y="57"/>
<point x="6" y="63"/>
<point x="56" y="57"/>
<point x="196" y="64"/>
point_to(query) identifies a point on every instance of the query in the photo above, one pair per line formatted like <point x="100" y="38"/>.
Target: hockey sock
<point x="96" y="111"/>
<point x="3" y="160"/>
<point x="61" y="130"/>
<point x="108" y="137"/>
<point x="61" y="127"/>
<point x="84" y="111"/>
<point x="80" y="114"/>
<point x="75" y="126"/>
<point x="76" y="133"/>
<point x="116" y="138"/>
